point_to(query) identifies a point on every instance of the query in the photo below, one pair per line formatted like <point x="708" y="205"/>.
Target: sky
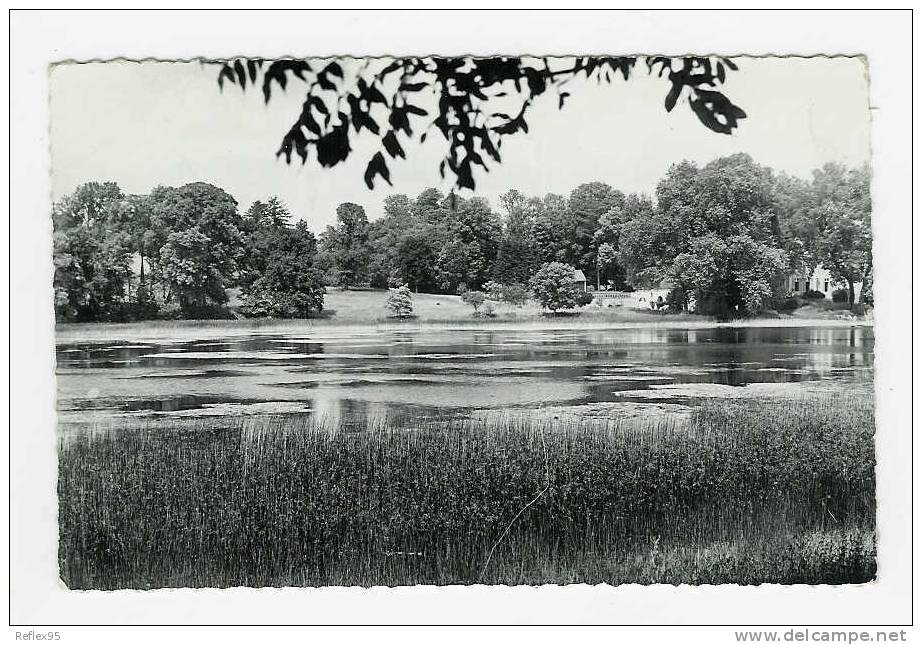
<point x="159" y="123"/>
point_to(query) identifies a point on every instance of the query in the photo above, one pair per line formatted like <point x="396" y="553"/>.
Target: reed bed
<point x="745" y="492"/>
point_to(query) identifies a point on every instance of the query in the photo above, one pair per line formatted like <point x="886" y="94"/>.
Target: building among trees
<point x="821" y="280"/>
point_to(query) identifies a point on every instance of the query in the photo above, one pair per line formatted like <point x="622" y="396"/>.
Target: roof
<point x="580" y="276"/>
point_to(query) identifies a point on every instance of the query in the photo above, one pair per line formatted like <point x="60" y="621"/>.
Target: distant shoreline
<point x="201" y="329"/>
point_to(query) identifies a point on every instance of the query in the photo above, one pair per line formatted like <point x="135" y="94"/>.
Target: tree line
<point x="723" y="235"/>
<point x="174" y="254"/>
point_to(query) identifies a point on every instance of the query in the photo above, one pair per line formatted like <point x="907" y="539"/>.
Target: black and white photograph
<point x="439" y="319"/>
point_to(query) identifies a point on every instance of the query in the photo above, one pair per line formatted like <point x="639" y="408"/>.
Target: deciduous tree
<point x="517" y="259"/>
<point x="472" y="234"/>
<point x="554" y="286"/>
<point x="587" y="204"/>
<point x="350" y="251"/>
<point x="289" y="285"/>
<point x="714" y="234"/>
<point x="198" y="231"/>
<point x="607" y="236"/>
<point x="92" y="253"/>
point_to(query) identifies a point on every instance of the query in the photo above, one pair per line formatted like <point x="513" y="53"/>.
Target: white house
<point x="820" y="280"/>
<point x="653" y="298"/>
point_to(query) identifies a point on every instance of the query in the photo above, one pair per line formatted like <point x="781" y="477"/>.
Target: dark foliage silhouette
<point x="474" y="103"/>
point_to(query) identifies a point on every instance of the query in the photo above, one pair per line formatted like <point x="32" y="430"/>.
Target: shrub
<point x="145" y="309"/>
<point x="485" y="311"/>
<point x="554" y="286"/>
<point x="840" y="295"/>
<point x="787" y="304"/>
<point x="814" y="295"/>
<point x="475" y="299"/>
<point x="494" y="290"/>
<point x="583" y="298"/>
<point x="400" y="302"/>
<point x="207" y="311"/>
<point x="515" y="293"/>
<point x="266" y="297"/>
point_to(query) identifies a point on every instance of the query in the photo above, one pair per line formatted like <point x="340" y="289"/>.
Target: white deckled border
<point x="38" y="39"/>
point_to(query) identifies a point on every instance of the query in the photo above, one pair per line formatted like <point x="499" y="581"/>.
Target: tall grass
<point x="747" y="492"/>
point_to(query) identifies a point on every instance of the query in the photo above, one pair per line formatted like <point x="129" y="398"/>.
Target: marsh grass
<point x="747" y="492"/>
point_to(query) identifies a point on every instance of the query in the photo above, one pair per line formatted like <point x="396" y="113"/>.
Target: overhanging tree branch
<point x="471" y="99"/>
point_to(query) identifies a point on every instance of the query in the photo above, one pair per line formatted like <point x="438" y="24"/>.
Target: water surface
<point x="371" y="376"/>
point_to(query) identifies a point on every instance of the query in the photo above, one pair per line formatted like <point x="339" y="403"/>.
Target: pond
<point x="354" y="378"/>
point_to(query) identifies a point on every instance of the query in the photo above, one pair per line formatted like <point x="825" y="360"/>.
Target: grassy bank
<point x="749" y="492"/>
<point x="363" y="310"/>
<point x="366" y="309"/>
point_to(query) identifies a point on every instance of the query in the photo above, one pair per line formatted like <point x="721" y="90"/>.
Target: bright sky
<point x="148" y="124"/>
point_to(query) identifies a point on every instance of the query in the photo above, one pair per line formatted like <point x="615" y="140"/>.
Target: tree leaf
<point x="273" y="74"/>
<point x="377" y="166"/>
<point x="716" y="111"/>
<point x="412" y="109"/>
<point x="413" y="87"/>
<point x="253" y="68"/>
<point x="392" y="67"/>
<point x="319" y="105"/>
<point x="373" y="95"/>
<point x="307" y="120"/>
<point x="392" y="145"/>
<point x="465" y="175"/>
<point x="325" y="83"/>
<point x="333" y="147"/>
<point x="226" y="73"/>
<point x="241" y="74"/>
<point x="673" y="96"/>
<point x="334" y="69"/>
<point x="398" y="120"/>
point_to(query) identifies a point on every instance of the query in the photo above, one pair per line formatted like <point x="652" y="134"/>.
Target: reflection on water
<point x="401" y="377"/>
